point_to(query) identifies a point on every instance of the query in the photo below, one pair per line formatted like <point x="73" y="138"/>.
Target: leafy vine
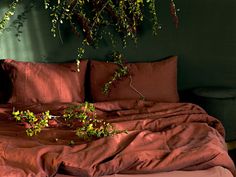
<point x="7" y="16"/>
<point x="80" y="117"/>
<point x="32" y="122"/>
<point x="88" y="19"/>
<point x="120" y="72"/>
<point x="18" y="23"/>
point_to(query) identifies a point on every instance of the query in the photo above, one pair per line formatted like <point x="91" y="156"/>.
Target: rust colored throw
<point x="161" y="137"/>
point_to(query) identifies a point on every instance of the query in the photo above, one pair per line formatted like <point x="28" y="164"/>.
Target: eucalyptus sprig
<point x="33" y="123"/>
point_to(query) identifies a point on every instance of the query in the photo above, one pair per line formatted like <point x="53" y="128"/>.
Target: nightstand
<point x="220" y="103"/>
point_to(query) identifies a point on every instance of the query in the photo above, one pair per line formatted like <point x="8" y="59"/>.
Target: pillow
<point x="45" y="82"/>
<point x="156" y="81"/>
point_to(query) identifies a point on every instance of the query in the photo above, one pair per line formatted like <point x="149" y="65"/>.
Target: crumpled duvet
<point x="161" y="137"/>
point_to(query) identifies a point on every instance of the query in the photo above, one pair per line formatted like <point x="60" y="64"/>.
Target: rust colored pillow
<point x="45" y="82"/>
<point x="156" y="81"/>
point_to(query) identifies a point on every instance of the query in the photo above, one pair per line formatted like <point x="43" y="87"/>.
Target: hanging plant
<point x="7" y="16"/>
<point x="91" y="20"/>
<point x="18" y="23"/>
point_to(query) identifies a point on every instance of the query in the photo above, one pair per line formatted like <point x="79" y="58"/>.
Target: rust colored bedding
<point x="216" y="171"/>
<point x="162" y="137"/>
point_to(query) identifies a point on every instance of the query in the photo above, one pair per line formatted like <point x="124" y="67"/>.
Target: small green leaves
<point x="80" y="52"/>
<point x="32" y="122"/>
<point x="80" y="111"/>
<point x="82" y="117"/>
<point x="96" y="129"/>
<point x="153" y="12"/>
<point x="121" y="72"/>
<point x="88" y="19"/>
<point x="10" y="12"/>
<point x="93" y="20"/>
<point x="90" y="126"/>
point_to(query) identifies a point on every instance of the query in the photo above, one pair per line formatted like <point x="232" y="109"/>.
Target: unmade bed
<point x="162" y="139"/>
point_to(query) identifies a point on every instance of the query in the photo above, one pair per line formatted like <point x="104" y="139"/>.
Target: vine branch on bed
<point x="81" y="118"/>
<point x="120" y="73"/>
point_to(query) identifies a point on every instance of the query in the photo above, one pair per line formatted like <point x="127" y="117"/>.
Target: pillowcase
<point x="156" y="81"/>
<point x="45" y="82"/>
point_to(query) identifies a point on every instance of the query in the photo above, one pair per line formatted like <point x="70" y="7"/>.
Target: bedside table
<point x="220" y="103"/>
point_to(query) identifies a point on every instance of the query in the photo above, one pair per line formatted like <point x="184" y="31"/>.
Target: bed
<point x="165" y="137"/>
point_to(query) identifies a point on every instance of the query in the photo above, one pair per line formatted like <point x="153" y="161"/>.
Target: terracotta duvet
<point x="162" y="137"/>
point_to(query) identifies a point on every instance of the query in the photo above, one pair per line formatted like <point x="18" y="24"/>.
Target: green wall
<point x="205" y="42"/>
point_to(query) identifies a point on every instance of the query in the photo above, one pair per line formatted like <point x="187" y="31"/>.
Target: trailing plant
<point x="82" y="118"/>
<point x="173" y="12"/>
<point x="120" y="72"/>
<point x="88" y="126"/>
<point x="7" y="16"/>
<point x="18" y="23"/>
<point x="93" y="20"/>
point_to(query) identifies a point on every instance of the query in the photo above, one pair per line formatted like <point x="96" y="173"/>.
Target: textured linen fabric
<point x="156" y="81"/>
<point x="44" y="82"/>
<point x="162" y="137"/>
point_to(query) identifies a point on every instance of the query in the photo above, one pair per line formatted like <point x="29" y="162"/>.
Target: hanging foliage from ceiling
<point x="92" y="20"/>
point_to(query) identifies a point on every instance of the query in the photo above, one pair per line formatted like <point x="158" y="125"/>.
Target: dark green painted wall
<point x="205" y="42"/>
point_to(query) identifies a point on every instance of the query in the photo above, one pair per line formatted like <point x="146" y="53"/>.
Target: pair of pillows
<point x="27" y="82"/>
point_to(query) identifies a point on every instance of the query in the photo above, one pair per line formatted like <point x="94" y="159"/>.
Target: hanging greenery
<point x="7" y="16"/>
<point x="91" y="20"/>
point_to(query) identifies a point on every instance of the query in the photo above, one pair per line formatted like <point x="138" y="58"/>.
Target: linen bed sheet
<point x="162" y="137"/>
<point x="211" y="172"/>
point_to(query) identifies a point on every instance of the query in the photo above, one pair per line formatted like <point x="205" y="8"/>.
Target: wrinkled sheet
<point x="216" y="171"/>
<point x="211" y="172"/>
<point x="161" y="137"/>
